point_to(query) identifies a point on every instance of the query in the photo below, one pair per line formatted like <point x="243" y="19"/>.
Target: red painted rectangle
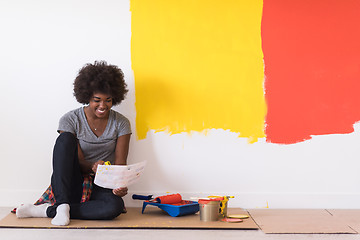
<point x="312" y="68"/>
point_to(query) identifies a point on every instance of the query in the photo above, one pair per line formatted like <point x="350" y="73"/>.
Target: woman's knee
<point x="66" y="141"/>
<point x="65" y="149"/>
<point x="66" y="138"/>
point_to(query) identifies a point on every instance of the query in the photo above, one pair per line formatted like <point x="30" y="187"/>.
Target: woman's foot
<point x="31" y="210"/>
<point x="62" y="217"/>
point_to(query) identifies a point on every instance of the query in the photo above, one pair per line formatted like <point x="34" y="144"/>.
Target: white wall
<point x="44" y="43"/>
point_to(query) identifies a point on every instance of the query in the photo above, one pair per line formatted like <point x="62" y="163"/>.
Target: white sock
<point x="62" y="217"/>
<point x="31" y="210"/>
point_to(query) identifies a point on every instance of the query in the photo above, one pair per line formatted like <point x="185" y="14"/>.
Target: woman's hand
<point x="120" y="192"/>
<point x="94" y="167"/>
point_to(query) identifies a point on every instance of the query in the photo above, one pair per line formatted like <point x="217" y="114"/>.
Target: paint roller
<point x="169" y="199"/>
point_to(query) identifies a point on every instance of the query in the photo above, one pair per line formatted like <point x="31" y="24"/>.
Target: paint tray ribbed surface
<point x="175" y="210"/>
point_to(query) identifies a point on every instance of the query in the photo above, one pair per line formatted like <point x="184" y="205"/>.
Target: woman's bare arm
<point x="122" y="149"/>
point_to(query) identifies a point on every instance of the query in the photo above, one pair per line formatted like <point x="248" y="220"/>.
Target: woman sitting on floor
<point x="89" y="136"/>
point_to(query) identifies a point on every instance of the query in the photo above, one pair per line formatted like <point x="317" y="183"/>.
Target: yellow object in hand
<point x="107" y="163"/>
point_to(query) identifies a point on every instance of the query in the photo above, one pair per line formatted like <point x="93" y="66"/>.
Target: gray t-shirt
<point x="95" y="148"/>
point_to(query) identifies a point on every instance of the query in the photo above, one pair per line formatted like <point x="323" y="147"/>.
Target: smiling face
<point x="100" y="105"/>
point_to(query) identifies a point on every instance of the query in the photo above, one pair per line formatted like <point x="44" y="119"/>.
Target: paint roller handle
<point x="141" y="197"/>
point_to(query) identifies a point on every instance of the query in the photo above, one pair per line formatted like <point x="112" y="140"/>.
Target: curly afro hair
<point x="100" y="77"/>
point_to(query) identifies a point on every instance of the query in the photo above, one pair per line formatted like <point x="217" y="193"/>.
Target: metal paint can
<point x="223" y="204"/>
<point x="209" y="210"/>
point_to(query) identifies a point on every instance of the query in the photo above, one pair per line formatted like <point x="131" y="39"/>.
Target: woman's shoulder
<point x="70" y="121"/>
<point x="118" y="116"/>
<point x="73" y="114"/>
<point x="122" y="124"/>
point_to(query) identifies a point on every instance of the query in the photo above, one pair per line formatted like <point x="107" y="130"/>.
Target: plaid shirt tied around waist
<point x="48" y="195"/>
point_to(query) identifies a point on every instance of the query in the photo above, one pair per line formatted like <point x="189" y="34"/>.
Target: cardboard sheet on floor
<point x="351" y="217"/>
<point x="298" y="221"/>
<point x="153" y="217"/>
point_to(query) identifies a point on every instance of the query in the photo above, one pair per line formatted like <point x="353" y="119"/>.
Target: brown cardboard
<point x="351" y="217"/>
<point x="153" y="217"/>
<point x="298" y="221"/>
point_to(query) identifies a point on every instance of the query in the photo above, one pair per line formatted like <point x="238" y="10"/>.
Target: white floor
<point x="135" y="234"/>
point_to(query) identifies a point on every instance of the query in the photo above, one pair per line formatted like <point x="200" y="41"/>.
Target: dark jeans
<point x="67" y="182"/>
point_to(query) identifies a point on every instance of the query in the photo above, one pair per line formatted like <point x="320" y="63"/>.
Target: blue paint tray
<point x="175" y="210"/>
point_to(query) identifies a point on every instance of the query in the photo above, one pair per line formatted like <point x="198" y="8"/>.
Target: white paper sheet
<point x="115" y="176"/>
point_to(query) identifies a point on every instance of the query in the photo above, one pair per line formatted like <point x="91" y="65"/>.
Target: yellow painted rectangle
<point x="198" y="65"/>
